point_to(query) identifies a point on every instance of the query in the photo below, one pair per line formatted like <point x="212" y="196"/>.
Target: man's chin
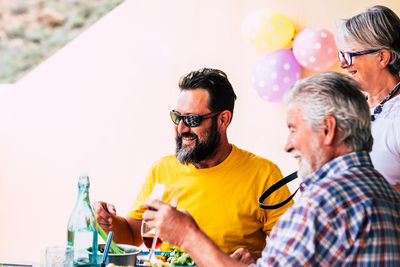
<point x="303" y="172"/>
<point x="184" y="155"/>
<point x="187" y="148"/>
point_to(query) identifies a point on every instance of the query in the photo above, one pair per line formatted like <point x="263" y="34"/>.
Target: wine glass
<point x="167" y="194"/>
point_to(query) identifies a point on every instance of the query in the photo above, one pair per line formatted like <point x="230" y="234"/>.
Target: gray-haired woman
<point x="369" y="50"/>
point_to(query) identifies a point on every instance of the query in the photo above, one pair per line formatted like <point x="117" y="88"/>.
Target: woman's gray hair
<point x="334" y="94"/>
<point x="377" y="27"/>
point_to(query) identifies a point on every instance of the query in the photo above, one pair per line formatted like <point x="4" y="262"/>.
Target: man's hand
<point x="104" y="214"/>
<point x="245" y="256"/>
<point x="177" y="227"/>
<point x="173" y="226"/>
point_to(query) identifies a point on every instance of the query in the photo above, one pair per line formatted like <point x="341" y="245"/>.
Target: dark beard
<point x="202" y="149"/>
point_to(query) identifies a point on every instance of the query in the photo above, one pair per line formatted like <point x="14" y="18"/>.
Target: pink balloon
<point x="315" y="49"/>
<point x="275" y="74"/>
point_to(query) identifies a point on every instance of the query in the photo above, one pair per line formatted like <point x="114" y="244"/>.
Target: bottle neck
<point x="83" y="186"/>
<point x="83" y="195"/>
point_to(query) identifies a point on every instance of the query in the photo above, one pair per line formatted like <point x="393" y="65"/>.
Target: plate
<point x="145" y="253"/>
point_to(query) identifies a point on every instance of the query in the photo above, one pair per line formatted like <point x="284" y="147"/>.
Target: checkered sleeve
<point x="292" y="240"/>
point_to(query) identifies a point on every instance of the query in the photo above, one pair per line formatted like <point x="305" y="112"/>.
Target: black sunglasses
<point x="190" y="120"/>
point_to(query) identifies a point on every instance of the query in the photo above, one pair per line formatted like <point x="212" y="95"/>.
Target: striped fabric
<point x="347" y="215"/>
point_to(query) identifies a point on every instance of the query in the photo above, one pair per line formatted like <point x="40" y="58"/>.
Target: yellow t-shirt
<point x="223" y="199"/>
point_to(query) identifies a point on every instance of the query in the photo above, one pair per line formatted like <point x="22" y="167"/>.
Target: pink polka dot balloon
<point x="275" y="74"/>
<point x="315" y="49"/>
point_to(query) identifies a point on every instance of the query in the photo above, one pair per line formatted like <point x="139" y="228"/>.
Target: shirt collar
<point x="336" y="166"/>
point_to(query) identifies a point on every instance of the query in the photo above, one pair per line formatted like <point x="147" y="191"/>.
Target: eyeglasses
<point x="348" y="56"/>
<point x="190" y="120"/>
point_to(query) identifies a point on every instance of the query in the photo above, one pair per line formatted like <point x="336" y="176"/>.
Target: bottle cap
<point x="83" y="180"/>
<point x="83" y="174"/>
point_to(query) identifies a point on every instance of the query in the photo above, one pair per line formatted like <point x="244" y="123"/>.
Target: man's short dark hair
<point x="221" y="94"/>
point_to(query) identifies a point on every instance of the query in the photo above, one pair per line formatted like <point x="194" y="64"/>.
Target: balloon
<point x="268" y="31"/>
<point x="315" y="49"/>
<point x="275" y="74"/>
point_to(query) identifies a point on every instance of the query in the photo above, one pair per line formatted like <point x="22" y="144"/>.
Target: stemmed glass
<point x="169" y="195"/>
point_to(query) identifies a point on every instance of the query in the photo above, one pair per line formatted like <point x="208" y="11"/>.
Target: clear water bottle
<point x="82" y="233"/>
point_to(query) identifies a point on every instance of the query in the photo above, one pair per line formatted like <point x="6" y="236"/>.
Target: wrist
<point x="190" y="237"/>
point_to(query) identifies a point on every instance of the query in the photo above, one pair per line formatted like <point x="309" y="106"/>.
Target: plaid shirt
<point x="347" y="215"/>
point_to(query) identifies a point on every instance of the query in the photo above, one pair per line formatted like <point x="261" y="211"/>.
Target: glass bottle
<point x="82" y="233"/>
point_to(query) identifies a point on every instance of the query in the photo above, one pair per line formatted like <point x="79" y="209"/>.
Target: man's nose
<point x="182" y="128"/>
<point x="288" y="146"/>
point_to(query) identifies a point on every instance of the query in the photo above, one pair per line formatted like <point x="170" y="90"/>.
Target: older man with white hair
<point x="347" y="214"/>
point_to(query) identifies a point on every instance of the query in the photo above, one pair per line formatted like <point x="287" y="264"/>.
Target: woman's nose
<point x="343" y="64"/>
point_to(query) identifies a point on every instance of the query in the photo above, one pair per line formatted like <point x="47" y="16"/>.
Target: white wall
<point x="100" y="105"/>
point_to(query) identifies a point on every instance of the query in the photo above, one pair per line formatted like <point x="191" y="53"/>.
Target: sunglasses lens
<point x="192" y="120"/>
<point x="189" y="120"/>
<point x="175" y="117"/>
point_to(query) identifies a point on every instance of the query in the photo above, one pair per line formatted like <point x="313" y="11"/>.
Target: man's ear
<point x="384" y="58"/>
<point x="329" y="129"/>
<point x="224" y="119"/>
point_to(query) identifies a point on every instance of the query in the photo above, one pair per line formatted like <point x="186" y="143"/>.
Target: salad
<point x="177" y="256"/>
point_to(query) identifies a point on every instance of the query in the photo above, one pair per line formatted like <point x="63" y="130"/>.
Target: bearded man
<point x="219" y="184"/>
<point x="347" y="213"/>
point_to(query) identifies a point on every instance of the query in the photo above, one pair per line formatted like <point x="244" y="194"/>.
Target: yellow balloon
<point x="268" y="31"/>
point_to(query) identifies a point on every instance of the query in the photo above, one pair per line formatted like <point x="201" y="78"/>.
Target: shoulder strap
<point x="275" y="187"/>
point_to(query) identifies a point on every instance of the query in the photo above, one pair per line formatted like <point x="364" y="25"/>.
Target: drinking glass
<point x="167" y="194"/>
<point x="59" y="256"/>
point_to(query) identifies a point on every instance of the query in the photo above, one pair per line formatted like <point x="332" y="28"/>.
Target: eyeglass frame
<point x="200" y="118"/>
<point x="341" y="55"/>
